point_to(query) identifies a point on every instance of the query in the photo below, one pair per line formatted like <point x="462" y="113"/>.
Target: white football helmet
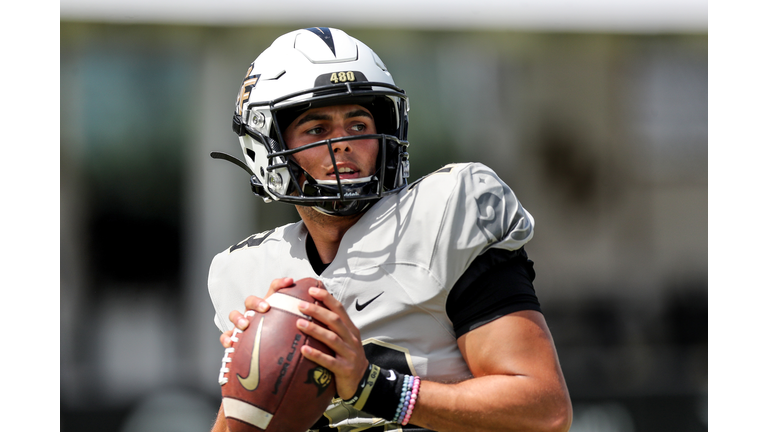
<point x="312" y="68"/>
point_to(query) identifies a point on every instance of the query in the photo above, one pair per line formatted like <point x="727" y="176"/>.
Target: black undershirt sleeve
<point x="497" y="283"/>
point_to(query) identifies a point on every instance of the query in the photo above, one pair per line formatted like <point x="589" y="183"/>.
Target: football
<point x="266" y="383"/>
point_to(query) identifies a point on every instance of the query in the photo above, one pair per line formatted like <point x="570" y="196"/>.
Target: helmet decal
<point x="245" y="89"/>
<point x="324" y="33"/>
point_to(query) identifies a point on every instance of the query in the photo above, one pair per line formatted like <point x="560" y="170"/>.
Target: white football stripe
<point x="237" y="409"/>
<point x="286" y="303"/>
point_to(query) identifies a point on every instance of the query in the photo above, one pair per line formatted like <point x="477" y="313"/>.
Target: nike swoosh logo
<point x="252" y="380"/>
<point x="360" y="307"/>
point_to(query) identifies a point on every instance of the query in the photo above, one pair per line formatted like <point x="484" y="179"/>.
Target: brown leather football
<point x="266" y="383"/>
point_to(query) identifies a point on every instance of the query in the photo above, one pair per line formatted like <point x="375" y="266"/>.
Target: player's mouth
<point x="345" y="172"/>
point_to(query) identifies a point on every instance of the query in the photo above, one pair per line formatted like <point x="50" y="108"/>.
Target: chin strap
<point x="234" y="160"/>
<point x="256" y="185"/>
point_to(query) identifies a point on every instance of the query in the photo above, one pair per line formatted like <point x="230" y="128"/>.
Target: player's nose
<point x="340" y="146"/>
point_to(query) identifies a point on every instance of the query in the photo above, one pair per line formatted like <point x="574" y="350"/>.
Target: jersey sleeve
<point x="220" y="296"/>
<point x="242" y="270"/>
<point x="481" y="213"/>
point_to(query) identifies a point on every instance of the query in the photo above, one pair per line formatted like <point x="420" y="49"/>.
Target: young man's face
<point x="354" y="159"/>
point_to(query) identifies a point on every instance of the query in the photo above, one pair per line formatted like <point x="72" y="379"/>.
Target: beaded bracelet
<point x="407" y="400"/>
<point x="405" y="397"/>
<point x="412" y="402"/>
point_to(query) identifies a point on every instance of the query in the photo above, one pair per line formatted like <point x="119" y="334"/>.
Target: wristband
<point x="387" y="394"/>
<point x="360" y="397"/>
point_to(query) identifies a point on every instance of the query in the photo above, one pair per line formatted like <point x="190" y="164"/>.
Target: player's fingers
<point x="342" y="362"/>
<point x="237" y="318"/>
<point x="333" y="305"/>
<point x="256" y="303"/>
<point x="278" y="284"/>
<point x="327" y="361"/>
<point x="226" y="339"/>
<point x="347" y="370"/>
<point x="341" y="336"/>
<point x="330" y="362"/>
<point x="349" y="354"/>
<point x="335" y="322"/>
<point x="259" y="304"/>
<point x="328" y="336"/>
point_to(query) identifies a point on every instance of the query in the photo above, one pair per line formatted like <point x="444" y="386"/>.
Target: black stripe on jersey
<point x="252" y="241"/>
<point x="497" y="283"/>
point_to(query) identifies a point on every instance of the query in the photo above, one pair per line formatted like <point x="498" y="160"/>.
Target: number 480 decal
<point x="342" y="77"/>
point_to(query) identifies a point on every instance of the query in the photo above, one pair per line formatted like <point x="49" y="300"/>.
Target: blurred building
<point x="603" y="137"/>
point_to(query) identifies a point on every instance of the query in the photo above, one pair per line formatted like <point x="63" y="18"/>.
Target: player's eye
<point x="359" y="127"/>
<point x="314" y="131"/>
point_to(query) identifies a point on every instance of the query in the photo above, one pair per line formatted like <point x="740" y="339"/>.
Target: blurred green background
<point x="601" y="134"/>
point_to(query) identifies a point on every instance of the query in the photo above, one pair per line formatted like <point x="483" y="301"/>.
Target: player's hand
<point x="252" y="303"/>
<point x="341" y="336"/>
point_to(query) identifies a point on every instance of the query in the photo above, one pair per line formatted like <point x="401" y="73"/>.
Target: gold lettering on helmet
<point x="245" y="89"/>
<point x="342" y="77"/>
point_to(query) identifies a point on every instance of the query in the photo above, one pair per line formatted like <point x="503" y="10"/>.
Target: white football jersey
<point x="393" y="271"/>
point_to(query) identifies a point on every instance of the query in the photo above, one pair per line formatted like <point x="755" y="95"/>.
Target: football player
<point x="431" y="310"/>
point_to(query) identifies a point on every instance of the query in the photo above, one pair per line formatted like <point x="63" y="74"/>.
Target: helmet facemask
<point x="285" y="180"/>
<point x="342" y="197"/>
